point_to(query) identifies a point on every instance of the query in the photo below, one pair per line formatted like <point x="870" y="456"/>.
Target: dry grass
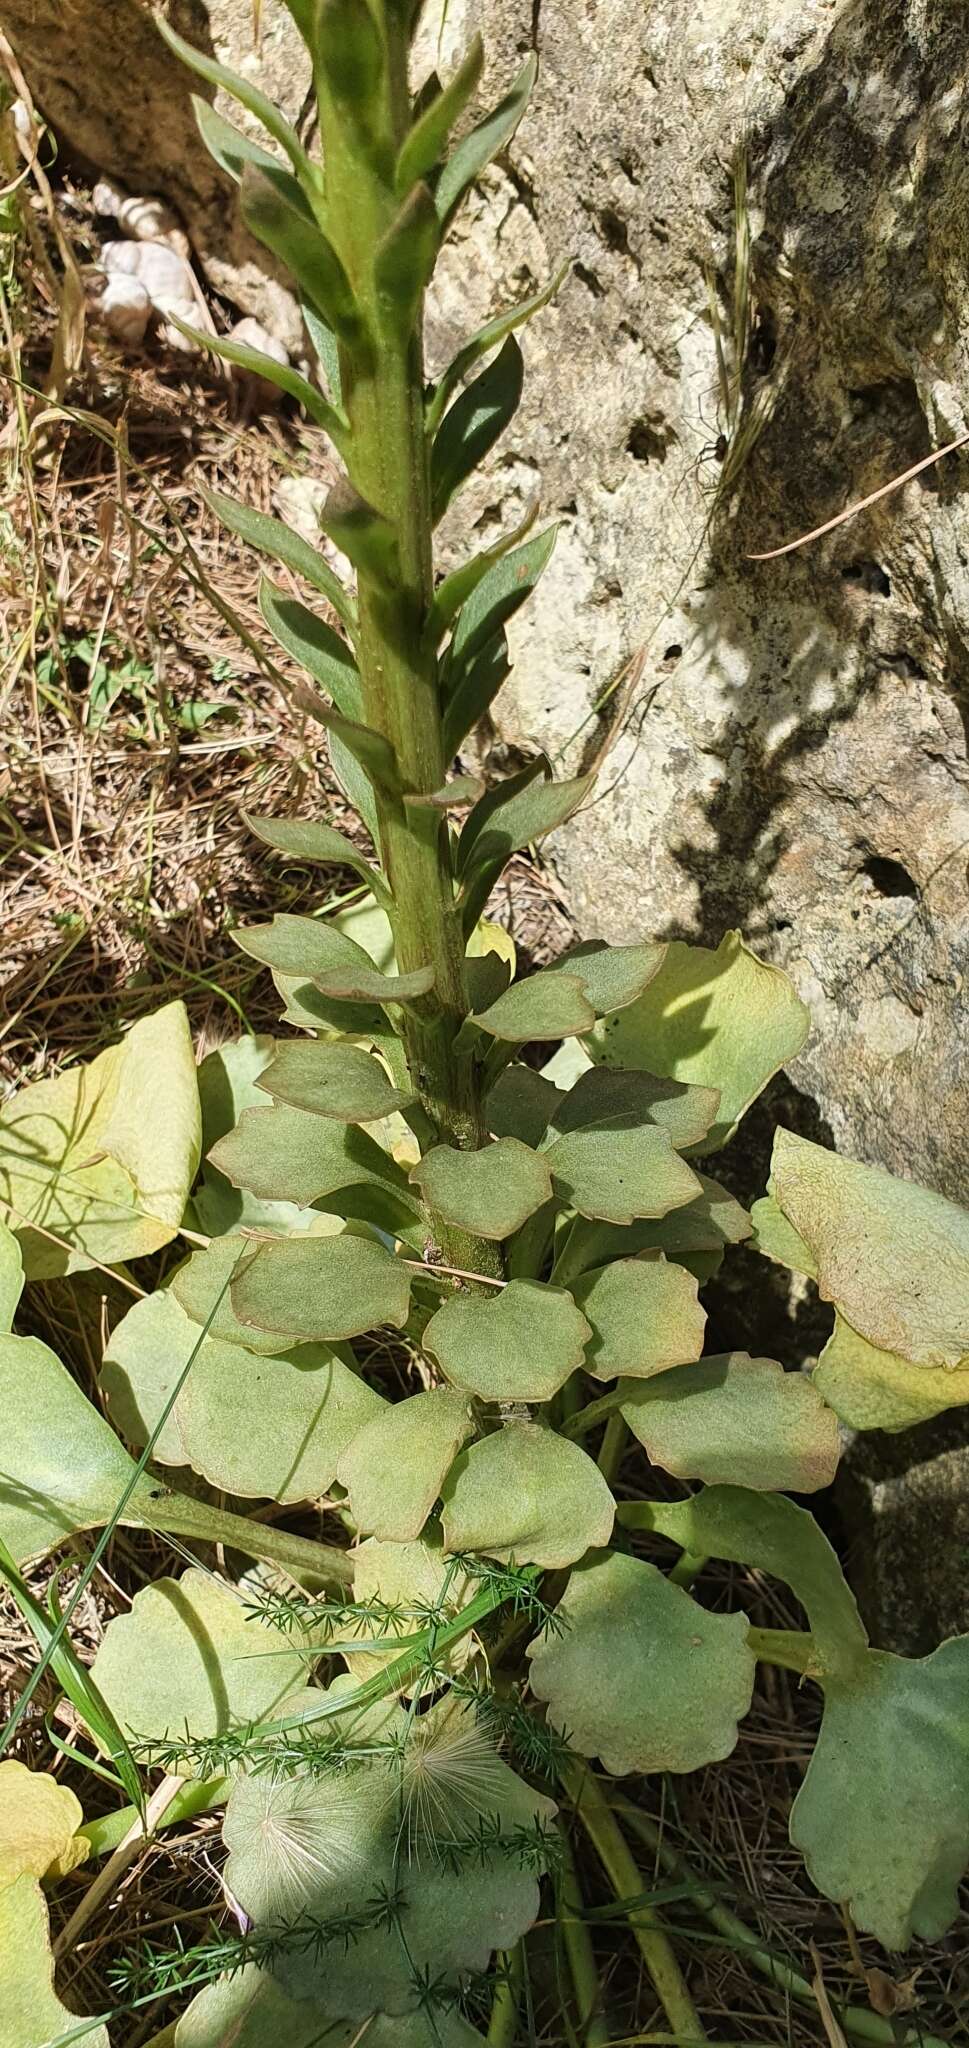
<point x="124" y="862"/>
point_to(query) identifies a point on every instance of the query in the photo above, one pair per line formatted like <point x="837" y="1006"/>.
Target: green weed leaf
<point x="334" y="1166"/>
<point x="485" y="141"/>
<point x="308" y="839"/>
<point x="273" y="537"/>
<point x="545" y="1005"/>
<point x="265" y="1428"/>
<point x="247" y="94"/>
<point x="340" y="1081"/>
<point x="635" y="1099"/>
<point x="474" y="422"/>
<point x="620" y="1173"/>
<point x="892" y="1256"/>
<point x="314" y="645"/>
<point x="423" y="145"/>
<point x="104" y="1156"/>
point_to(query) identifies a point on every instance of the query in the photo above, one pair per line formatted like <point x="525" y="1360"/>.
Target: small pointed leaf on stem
<point x="350" y="56"/>
<point x="645" y="1317"/>
<point x="423" y="144"/>
<point x="232" y="149"/>
<point x="313" y="644"/>
<point x="739" y="1420"/>
<point x="456" y="588"/>
<point x="526" y="1494"/>
<point x="487" y="338"/>
<point x="326" y="348"/>
<point x="620" y="1174"/>
<point x="404" y="260"/>
<point x="248" y="95"/>
<point x="478" y="416"/>
<point x="495" y="599"/>
<point x="483" y="142"/>
<point x="521" y="1346"/>
<point x="395" y="1466"/>
<point x="642" y="1676"/>
<point x="364" y="536"/>
<point x="476" y="688"/>
<point x="281" y="374"/>
<point x="322" y="1289"/>
<point x="301" y="245"/>
<point x="490" y="1192"/>
<point x="273" y="537"/>
<point x="339" y="1081"/>
<point x="308" y="839"/>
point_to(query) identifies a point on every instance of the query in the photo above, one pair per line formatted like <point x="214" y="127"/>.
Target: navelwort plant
<point x="389" y="1718"/>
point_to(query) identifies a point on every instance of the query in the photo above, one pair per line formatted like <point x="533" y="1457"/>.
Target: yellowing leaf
<point x="872" y="1389"/>
<point x="721" y="1019"/>
<point x="31" y="2014"/>
<point x="104" y="1156"/>
<point x="11" y="1277"/>
<point x="892" y="1256"/>
<point x="39" y="1820"/>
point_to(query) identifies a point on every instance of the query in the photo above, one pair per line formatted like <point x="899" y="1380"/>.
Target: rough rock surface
<point x="793" y="758"/>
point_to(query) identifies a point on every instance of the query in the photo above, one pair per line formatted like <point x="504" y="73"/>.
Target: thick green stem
<point x="592" y="2025"/>
<point x="594" y="1812"/>
<point x="178" y="1515"/>
<point x="383" y="395"/>
<point x="503" y="2025"/>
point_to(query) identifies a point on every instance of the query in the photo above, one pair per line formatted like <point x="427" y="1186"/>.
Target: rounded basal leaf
<point x="282" y="1153"/>
<point x="882" y="1818"/>
<point x="415" y="1580"/>
<point x="522" y="1345"/>
<point x="527" y="1496"/>
<point x="545" y="1005"/>
<point x="893" y="1257"/>
<point x="620" y="1174"/>
<point x="202" y="1288"/>
<point x="11" y="1278"/>
<point x="645" y="1316"/>
<point x="39" y="1820"/>
<point x="31" y="2014"/>
<point x="250" y="2010"/>
<point x="339" y="1081"/>
<point x="631" y="1097"/>
<point x="188" y="1659"/>
<point x="721" y="1019"/>
<point x="872" y="1389"/>
<point x="104" y="1156"/>
<point x="521" y="1104"/>
<point x="491" y="1192"/>
<point x="227" y="1081"/>
<point x="642" y="1676"/>
<point x="322" y="1289"/>
<point x="740" y="1420"/>
<point x="318" y="1851"/>
<point x="250" y="1425"/>
<point x="61" y="1467"/>
<point x="394" y="1467"/>
<point x="773" y="1535"/>
<point x="612" y="976"/>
